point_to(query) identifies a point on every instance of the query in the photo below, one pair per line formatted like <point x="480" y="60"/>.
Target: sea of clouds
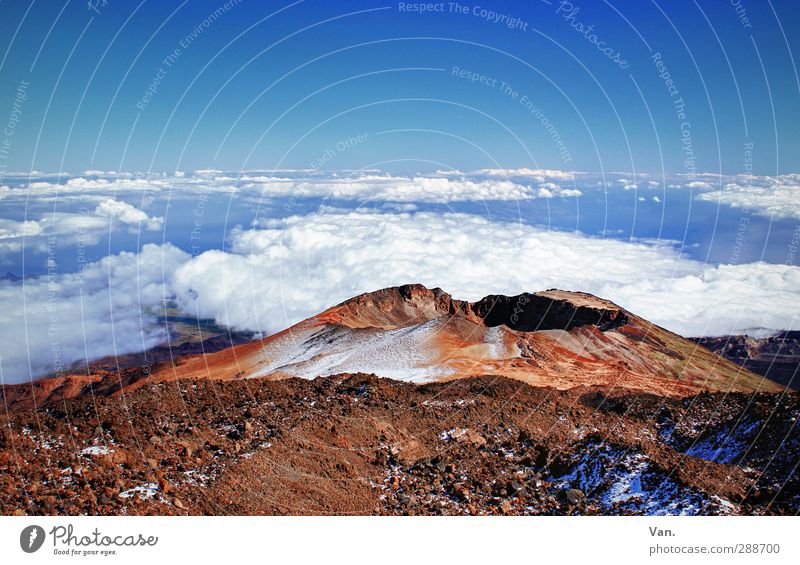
<point x="280" y="270"/>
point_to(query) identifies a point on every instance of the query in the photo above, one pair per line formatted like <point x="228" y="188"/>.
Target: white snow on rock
<point x="146" y="490"/>
<point x="401" y="354"/>
<point x="726" y="445"/>
<point x="624" y="480"/>
<point x="96" y="450"/>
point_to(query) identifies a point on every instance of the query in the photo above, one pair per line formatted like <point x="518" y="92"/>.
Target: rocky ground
<point x="361" y="445"/>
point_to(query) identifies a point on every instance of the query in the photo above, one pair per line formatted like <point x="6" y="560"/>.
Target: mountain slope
<point x="776" y="357"/>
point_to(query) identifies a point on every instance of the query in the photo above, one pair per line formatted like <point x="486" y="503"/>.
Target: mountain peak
<point x="552" y="309"/>
<point x="393" y="307"/>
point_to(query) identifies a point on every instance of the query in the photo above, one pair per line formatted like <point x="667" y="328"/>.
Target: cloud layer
<point x="51" y="322"/>
<point x="128" y="214"/>
<point x="777" y="197"/>
<point x="286" y="270"/>
<point x="438" y="190"/>
<point x="74" y="227"/>
<point x="770" y="196"/>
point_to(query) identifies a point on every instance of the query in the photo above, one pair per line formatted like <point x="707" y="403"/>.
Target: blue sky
<point x="383" y="69"/>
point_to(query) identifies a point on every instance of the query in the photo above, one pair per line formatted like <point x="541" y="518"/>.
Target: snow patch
<point x="725" y="445"/>
<point x="146" y="491"/>
<point x="96" y="450"/>
<point x="402" y="354"/>
<point x="624" y="481"/>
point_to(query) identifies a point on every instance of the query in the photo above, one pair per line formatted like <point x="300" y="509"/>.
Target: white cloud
<point x="700" y="185"/>
<point x="12" y="233"/>
<point x="128" y="214"/>
<point x="109" y="186"/>
<point x="766" y="195"/>
<point x="12" y="229"/>
<point x="106" y="309"/>
<point x="537" y="175"/>
<point x="551" y="190"/>
<point x="401" y="189"/>
<point x="770" y="196"/>
<point x="359" y="186"/>
<point x="778" y="197"/>
<point x="71" y="227"/>
<point x="719" y="300"/>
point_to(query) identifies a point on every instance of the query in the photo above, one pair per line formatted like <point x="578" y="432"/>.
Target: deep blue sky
<point x="94" y="65"/>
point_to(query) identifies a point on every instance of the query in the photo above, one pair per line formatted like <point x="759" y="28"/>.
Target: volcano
<point x="411" y="333"/>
